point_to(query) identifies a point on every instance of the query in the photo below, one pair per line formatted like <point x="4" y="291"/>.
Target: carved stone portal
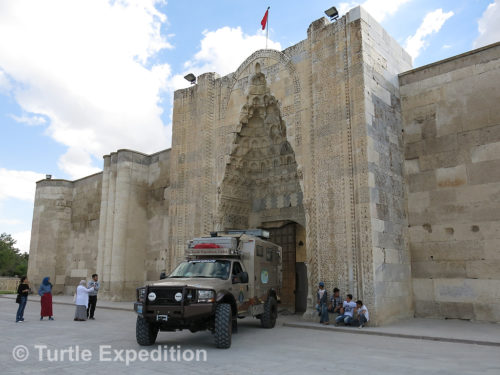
<point x="261" y="181"/>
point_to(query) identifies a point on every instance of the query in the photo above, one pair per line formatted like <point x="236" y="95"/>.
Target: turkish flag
<point x="264" y="20"/>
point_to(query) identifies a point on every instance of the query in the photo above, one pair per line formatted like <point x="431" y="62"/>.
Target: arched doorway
<point x="261" y="187"/>
<point x="292" y="239"/>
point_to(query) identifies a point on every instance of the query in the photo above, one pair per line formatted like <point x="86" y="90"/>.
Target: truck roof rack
<point x="251" y="232"/>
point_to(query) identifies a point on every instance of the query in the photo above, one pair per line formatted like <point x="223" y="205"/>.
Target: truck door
<point x="240" y="287"/>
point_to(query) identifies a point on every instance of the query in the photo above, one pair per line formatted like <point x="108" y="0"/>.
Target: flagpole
<point x="267" y="28"/>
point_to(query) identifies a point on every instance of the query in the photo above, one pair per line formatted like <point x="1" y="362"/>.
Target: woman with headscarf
<point x="82" y="301"/>
<point x="45" y="291"/>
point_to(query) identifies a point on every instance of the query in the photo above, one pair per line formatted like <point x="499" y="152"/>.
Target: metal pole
<point x="267" y="28"/>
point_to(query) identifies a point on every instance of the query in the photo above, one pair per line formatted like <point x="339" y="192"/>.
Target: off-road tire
<point x="145" y="332"/>
<point x="268" y="318"/>
<point x="223" y="325"/>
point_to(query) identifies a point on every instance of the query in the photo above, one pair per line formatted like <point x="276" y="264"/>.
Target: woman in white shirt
<point x="82" y="301"/>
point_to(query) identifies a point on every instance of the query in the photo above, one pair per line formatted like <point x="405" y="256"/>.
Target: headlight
<point x="205" y="296"/>
<point x="141" y="294"/>
<point x="152" y="296"/>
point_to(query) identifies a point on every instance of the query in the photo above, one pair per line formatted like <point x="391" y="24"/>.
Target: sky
<point x="80" y="79"/>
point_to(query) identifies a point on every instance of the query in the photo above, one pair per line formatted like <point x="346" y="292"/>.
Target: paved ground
<point x="282" y="350"/>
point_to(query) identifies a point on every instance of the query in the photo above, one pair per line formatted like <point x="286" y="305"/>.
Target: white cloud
<point x="29" y="120"/>
<point x="23" y="240"/>
<point x="222" y="51"/>
<point x="378" y="9"/>
<point x="432" y="23"/>
<point x="4" y="82"/>
<point x="10" y="221"/>
<point x="18" y="184"/>
<point x="86" y="66"/>
<point x="77" y="162"/>
<point x="489" y="26"/>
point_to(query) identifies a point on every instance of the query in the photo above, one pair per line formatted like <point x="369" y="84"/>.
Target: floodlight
<point x="191" y="78"/>
<point x="332" y="13"/>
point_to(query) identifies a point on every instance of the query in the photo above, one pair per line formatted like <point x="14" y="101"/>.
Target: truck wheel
<point x="268" y="319"/>
<point x="145" y="332"/>
<point x="223" y="325"/>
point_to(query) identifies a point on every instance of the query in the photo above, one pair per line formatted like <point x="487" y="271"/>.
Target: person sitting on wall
<point x="362" y="314"/>
<point x="346" y="312"/>
<point x="335" y="302"/>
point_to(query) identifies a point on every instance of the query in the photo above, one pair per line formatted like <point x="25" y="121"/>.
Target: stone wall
<point x="384" y="257"/>
<point x="133" y="233"/>
<point x="9" y="284"/>
<point x="338" y="101"/>
<point x="65" y="231"/>
<point x="452" y="162"/>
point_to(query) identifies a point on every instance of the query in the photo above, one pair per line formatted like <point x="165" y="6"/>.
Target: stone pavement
<point x="451" y="330"/>
<point x="446" y="330"/>
<point x="68" y="300"/>
<point x="282" y="350"/>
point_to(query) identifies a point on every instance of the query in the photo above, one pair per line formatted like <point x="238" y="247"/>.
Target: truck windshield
<point x="203" y="268"/>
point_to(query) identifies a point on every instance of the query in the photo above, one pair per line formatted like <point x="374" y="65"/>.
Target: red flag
<point x="264" y="20"/>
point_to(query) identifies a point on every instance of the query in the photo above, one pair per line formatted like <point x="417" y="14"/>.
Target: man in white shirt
<point x="363" y="314"/>
<point x="346" y="312"/>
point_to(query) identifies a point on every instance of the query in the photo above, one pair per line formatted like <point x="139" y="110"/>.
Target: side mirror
<point x="243" y="277"/>
<point x="163" y="276"/>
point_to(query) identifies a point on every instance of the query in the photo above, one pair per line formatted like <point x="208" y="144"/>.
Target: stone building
<point x="375" y="178"/>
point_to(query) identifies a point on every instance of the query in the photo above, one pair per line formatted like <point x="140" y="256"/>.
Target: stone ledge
<point x="367" y="331"/>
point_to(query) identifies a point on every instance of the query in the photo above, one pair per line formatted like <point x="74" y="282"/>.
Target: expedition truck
<point x="226" y="276"/>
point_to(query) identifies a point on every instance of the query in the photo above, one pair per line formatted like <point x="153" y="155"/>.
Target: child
<point x="346" y="312"/>
<point x="322" y="304"/>
<point x="363" y="315"/>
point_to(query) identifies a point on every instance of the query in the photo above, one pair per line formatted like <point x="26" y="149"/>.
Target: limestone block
<point x="457" y="310"/>
<point x="451" y="177"/>
<point x="422" y="181"/>
<point x="60" y="279"/>
<point x="438" y="269"/>
<point x="423" y="289"/>
<point x="439" y="160"/>
<point x="414" y="150"/>
<point x="392" y="272"/>
<point x="412" y="166"/>
<point x="392" y="289"/>
<point x="418" y="202"/>
<point x="492" y="249"/>
<point x="484" y="269"/>
<point x="476" y="193"/>
<point x="440" y="144"/>
<point x="447" y="250"/>
<point x="469" y="139"/>
<point x="454" y="290"/>
<point x="427" y="309"/>
<point x="490" y="151"/>
<point x="487" y="312"/>
<point x="79" y="273"/>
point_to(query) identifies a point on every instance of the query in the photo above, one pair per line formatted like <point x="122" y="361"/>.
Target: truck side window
<point x="237" y="269"/>
<point x="260" y="251"/>
<point x="269" y="254"/>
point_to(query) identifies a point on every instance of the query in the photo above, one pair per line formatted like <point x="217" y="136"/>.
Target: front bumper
<point x="192" y="311"/>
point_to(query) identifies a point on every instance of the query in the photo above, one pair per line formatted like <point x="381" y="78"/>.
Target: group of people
<point x="348" y="312"/>
<point x="85" y="298"/>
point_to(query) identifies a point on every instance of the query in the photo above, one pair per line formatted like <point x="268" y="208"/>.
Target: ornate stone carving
<point x="261" y="161"/>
